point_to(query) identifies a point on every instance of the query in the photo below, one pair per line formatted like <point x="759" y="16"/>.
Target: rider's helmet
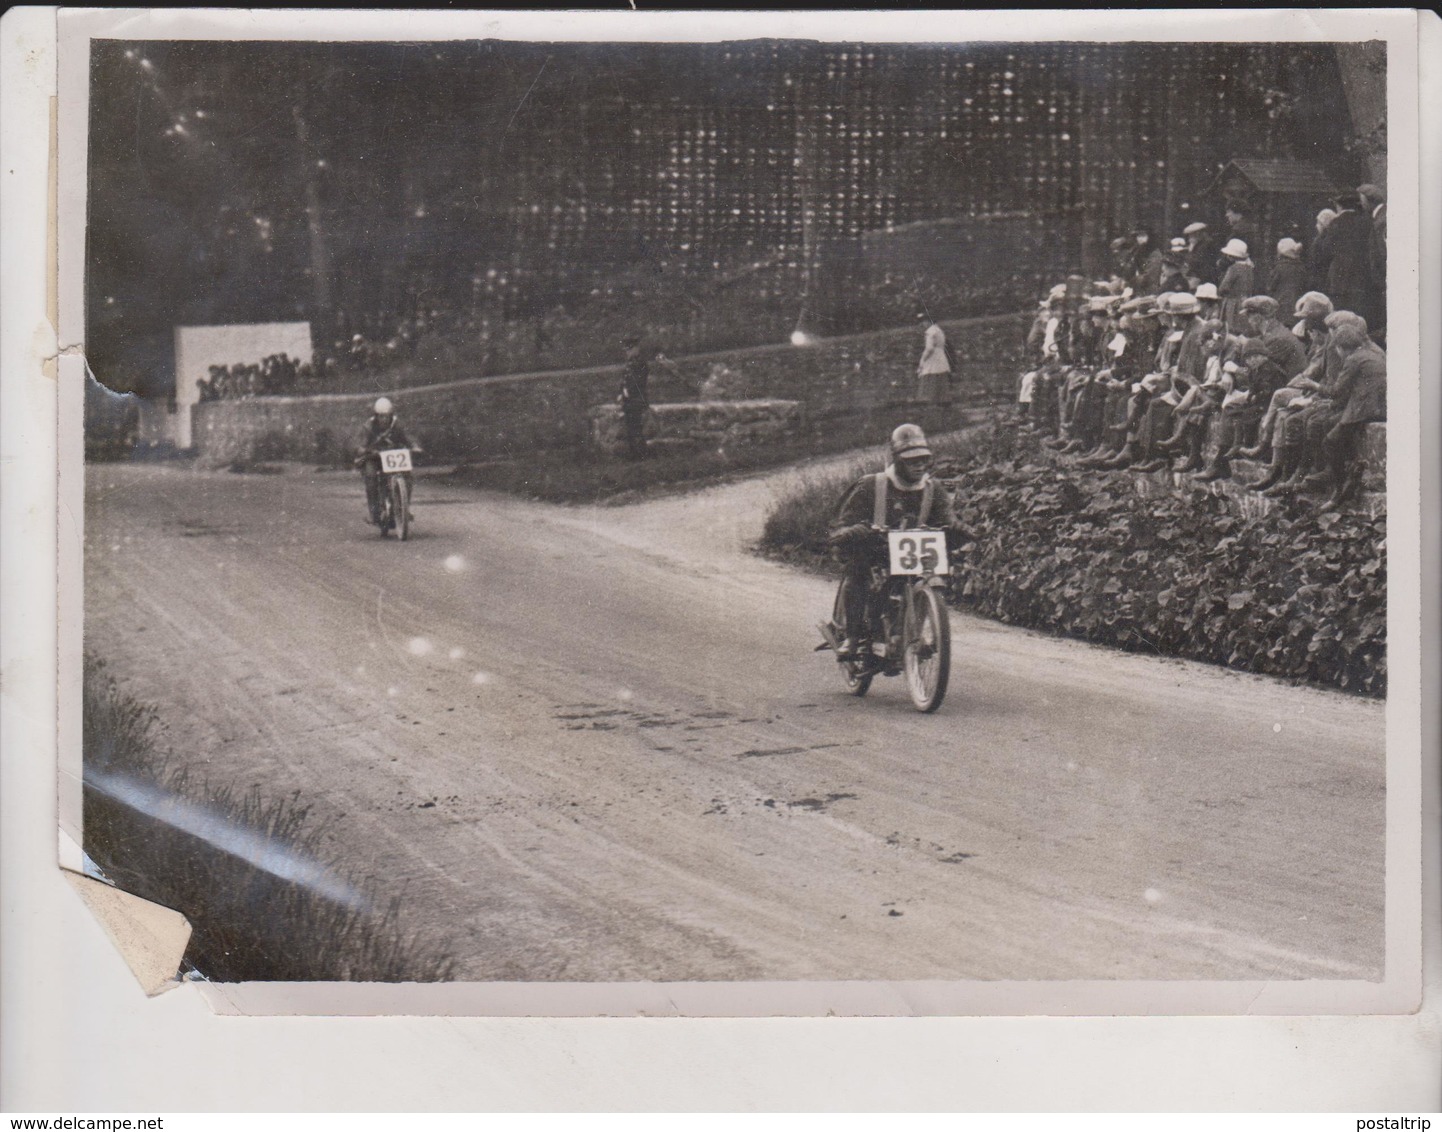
<point x="910" y="452"/>
<point x="384" y="408"/>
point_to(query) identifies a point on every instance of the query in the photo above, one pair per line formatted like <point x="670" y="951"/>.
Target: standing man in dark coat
<point x="634" y="398"/>
<point x="1374" y="202"/>
<point x="1342" y="255"/>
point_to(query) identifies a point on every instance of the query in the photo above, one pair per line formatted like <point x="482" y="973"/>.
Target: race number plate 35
<point x="396" y="460"/>
<point x="918" y="552"/>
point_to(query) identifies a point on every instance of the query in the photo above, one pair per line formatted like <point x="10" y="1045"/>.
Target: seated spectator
<point x="1289" y="275"/>
<point x="1259" y="312"/>
<point x="1362" y="392"/>
<point x="1254" y="379"/>
<point x="1194" y="411"/>
<point x="1312" y="414"/>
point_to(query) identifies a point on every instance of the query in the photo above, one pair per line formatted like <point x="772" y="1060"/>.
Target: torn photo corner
<point x="471" y="421"/>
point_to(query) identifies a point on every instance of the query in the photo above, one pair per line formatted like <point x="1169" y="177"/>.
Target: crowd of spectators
<point x="1185" y="349"/>
<point x="275" y="375"/>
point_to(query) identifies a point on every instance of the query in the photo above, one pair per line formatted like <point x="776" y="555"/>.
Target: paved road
<point x="594" y="744"/>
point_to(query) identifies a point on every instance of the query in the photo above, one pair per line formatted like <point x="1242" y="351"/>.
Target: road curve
<point x="593" y="744"/>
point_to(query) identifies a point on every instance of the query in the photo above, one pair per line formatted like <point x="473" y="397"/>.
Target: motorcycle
<point x="907" y="618"/>
<point x="395" y="491"/>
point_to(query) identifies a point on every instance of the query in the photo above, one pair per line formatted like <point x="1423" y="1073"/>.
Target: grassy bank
<point x="246" y="870"/>
<point x="587" y="475"/>
<point x="1080" y="554"/>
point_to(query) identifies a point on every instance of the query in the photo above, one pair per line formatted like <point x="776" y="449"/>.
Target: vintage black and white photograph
<point x="762" y="511"/>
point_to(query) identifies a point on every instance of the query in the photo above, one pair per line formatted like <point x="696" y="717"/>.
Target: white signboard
<point x="197" y="348"/>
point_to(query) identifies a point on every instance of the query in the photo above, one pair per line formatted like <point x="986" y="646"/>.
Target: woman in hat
<point x="1236" y="285"/>
<point x="1289" y="276"/>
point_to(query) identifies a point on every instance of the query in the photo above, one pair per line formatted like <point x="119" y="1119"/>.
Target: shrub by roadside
<point x="1289" y="594"/>
<point x="247" y="871"/>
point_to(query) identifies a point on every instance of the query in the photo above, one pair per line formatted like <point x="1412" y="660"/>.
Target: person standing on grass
<point x="635" y="397"/>
<point x="933" y="372"/>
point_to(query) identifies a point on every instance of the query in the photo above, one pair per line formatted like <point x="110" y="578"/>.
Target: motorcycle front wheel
<point x="401" y="506"/>
<point x="927" y="650"/>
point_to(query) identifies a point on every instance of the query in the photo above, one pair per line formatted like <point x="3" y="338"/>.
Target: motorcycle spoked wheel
<point x="927" y="656"/>
<point x="400" y="507"/>
<point x="857" y="676"/>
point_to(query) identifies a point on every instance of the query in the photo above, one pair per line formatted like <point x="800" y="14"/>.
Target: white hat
<point x="1057" y="292"/>
<point x="1235" y="248"/>
<point x="1288" y="246"/>
<point x="1207" y="291"/>
<point x="1178" y="244"/>
<point x="1193" y="228"/>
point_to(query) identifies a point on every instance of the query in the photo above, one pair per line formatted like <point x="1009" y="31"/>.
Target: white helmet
<point x="384" y="408"/>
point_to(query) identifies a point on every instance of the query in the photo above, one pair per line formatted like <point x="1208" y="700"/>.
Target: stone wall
<point x="495" y="417"/>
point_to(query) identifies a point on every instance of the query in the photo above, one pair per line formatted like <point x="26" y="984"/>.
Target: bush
<point x="1290" y="594"/>
<point x="246" y="870"/>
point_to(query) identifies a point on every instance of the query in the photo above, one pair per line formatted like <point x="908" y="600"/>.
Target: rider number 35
<point x="913" y="553"/>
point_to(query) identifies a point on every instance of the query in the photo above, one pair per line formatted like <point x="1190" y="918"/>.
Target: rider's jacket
<point x="374" y="437"/>
<point x="884" y="500"/>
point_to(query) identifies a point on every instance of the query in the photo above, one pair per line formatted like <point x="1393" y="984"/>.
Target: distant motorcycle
<point x="395" y="490"/>
<point x="909" y="624"/>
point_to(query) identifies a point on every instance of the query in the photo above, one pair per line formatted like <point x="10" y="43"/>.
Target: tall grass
<point x="248" y="871"/>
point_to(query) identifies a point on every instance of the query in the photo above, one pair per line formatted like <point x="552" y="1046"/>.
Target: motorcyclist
<point x="382" y="431"/>
<point x="904" y="495"/>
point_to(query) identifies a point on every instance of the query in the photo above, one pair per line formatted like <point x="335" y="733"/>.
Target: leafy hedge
<point x="1292" y="594"/>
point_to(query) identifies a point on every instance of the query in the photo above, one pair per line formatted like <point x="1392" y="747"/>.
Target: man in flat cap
<point x="1202" y="252"/>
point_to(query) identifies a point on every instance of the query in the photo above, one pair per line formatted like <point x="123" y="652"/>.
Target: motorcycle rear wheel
<point x="857" y="676"/>
<point x="927" y="655"/>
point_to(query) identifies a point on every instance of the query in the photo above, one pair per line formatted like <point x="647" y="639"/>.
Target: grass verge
<point x="587" y="475"/>
<point x="247" y="871"/>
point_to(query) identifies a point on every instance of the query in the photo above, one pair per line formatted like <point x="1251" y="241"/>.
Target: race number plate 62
<point x="918" y="552"/>
<point x="396" y="460"/>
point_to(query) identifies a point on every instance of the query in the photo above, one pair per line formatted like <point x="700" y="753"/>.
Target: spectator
<point x="1253" y="381"/>
<point x="1260" y="315"/>
<point x="1144" y="265"/>
<point x="634" y="397"/>
<point x="1236" y="285"/>
<point x="1342" y="256"/>
<point x="933" y="371"/>
<point x="1211" y="303"/>
<point x="1307" y="414"/>
<point x="1181" y="365"/>
<point x="1202" y="253"/>
<point x="1357" y="397"/>
<point x="1374" y="201"/>
<point x="1239" y="227"/>
<point x="1174" y="267"/>
<point x="1193" y="413"/>
<point x="1363" y="393"/>
<point x="1289" y="275"/>
<point x="1313" y="309"/>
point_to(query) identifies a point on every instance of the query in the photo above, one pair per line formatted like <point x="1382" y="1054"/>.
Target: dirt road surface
<point x="594" y="744"/>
